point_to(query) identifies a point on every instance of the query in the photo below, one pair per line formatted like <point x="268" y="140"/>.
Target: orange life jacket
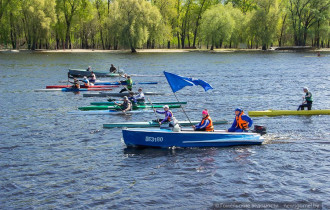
<point x="209" y="127"/>
<point x="242" y="124"/>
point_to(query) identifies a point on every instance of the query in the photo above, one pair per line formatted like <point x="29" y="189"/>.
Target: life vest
<point x="125" y="105"/>
<point x="86" y="83"/>
<point x="242" y="124"/>
<point x="129" y="84"/>
<point x="310" y="98"/>
<point x="209" y="127"/>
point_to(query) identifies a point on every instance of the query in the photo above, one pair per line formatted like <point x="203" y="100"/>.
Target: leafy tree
<point x="217" y="25"/>
<point x="304" y="14"/>
<point x="135" y="21"/>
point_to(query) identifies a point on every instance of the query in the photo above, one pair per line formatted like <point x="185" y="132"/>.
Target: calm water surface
<point x="50" y="159"/>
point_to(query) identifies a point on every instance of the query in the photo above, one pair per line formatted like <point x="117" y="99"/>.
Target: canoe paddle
<point x="154" y="110"/>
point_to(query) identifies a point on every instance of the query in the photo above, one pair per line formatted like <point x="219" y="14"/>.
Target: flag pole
<point x="182" y="108"/>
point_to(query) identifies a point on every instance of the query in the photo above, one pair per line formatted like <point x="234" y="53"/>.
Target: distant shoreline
<point x="164" y="50"/>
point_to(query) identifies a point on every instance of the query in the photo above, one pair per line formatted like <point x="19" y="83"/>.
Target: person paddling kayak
<point x="126" y="105"/>
<point x="307" y="100"/>
<point x="168" y="115"/>
<point x="206" y="124"/>
<point x="132" y="98"/>
<point x="92" y="77"/>
<point x="242" y="122"/>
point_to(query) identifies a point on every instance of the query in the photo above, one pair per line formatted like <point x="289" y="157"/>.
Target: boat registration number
<point x="154" y="139"/>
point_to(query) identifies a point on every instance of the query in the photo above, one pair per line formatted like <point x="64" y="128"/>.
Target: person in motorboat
<point x="75" y="83"/>
<point x="307" y="100"/>
<point x="112" y="69"/>
<point x="86" y="82"/>
<point x="132" y="98"/>
<point x="168" y="115"/>
<point x="206" y="124"/>
<point x="126" y="105"/>
<point x="129" y="84"/>
<point x="89" y="68"/>
<point x="92" y="77"/>
<point x="140" y="96"/>
<point x="242" y="122"/>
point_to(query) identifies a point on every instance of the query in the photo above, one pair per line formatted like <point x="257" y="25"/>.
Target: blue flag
<point x="177" y="82"/>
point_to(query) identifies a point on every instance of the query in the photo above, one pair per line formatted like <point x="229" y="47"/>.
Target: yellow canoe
<point x="288" y="112"/>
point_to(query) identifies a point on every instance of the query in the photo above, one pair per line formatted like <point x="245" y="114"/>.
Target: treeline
<point x="134" y="24"/>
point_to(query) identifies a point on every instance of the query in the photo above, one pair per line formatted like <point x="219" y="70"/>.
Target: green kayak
<point x="116" y="107"/>
<point x="139" y="103"/>
<point x="154" y="124"/>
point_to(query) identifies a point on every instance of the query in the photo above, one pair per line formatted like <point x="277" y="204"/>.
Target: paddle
<point x="154" y="110"/>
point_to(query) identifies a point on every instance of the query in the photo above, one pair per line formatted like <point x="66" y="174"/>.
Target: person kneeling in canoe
<point x="92" y="77"/>
<point x="242" y="122"/>
<point x="126" y="105"/>
<point x="129" y="84"/>
<point x="132" y="98"/>
<point x="75" y="83"/>
<point x="206" y="124"/>
<point x="140" y="96"/>
<point x="86" y="82"/>
<point x="168" y="115"/>
<point x="307" y="100"/>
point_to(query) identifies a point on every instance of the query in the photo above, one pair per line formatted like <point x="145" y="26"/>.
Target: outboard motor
<point x="260" y="129"/>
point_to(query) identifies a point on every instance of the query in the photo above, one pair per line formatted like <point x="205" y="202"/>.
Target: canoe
<point x="165" y="138"/>
<point x="105" y="112"/>
<point x="102" y="94"/>
<point x="145" y="103"/>
<point x="117" y="83"/>
<point x="288" y="112"/>
<point x="154" y="124"/>
<point x="84" y="89"/>
<point x="82" y="86"/>
<point x="116" y="107"/>
<point x="71" y="90"/>
<point x="83" y="72"/>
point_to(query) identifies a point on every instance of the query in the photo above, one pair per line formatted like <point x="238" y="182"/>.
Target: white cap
<point x="125" y="97"/>
<point x="305" y="88"/>
<point x="165" y="107"/>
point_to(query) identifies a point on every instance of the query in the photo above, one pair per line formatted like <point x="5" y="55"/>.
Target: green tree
<point x="304" y="14"/>
<point x="135" y="21"/>
<point x="217" y="25"/>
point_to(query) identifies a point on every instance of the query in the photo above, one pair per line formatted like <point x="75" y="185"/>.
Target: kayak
<point x="102" y="94"/>
<point x="102" y="112"/>
<point x="154" y="124"/>
<point x="84" y="108"/>
<point x="83" y="72"/>
<point x="70" y="89"/>
<point x="117" y="83"/>
<point x="141" y="103"/>
<point x="288" y="112"/>
<point x="165" y="138"/>
<point x="82" y="86"/>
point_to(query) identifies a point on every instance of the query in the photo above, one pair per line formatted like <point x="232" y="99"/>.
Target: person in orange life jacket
<point x="206" y="124"/>
<point x="92" y="77"/>
<point x="168" y="114"/>
<point x="241" y="123"/>
<point x="86" y="81"/>
<point x="75" y="83"/>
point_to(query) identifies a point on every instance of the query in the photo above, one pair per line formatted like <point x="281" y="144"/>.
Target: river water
<point x="51" y="159"/>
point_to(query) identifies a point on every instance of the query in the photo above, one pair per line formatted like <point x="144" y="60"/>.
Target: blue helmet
<point x="238" y="109"/>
